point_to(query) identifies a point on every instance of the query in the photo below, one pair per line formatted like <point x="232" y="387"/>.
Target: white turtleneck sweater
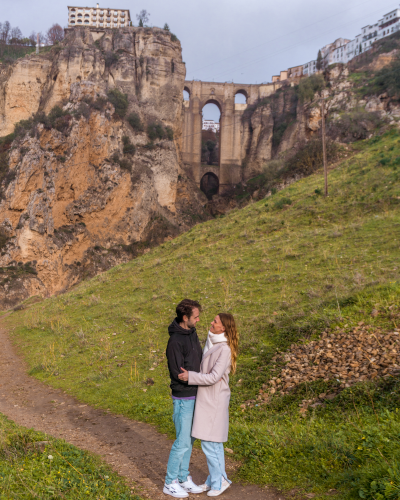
<point x="214" y="339"/>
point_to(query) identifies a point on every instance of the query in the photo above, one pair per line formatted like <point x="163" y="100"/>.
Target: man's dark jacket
<point x="183" y="350"/>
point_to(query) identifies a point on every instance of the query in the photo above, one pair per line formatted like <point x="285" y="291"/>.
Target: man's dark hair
<point x="185" y="308"/>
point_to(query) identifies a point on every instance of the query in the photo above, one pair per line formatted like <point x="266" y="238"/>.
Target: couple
<point x="200" y="394"/>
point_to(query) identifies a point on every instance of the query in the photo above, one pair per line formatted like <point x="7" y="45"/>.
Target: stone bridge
<point x="234" y="135"/>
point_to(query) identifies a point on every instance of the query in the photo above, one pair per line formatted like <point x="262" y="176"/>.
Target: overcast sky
<point x="246" y="41"/>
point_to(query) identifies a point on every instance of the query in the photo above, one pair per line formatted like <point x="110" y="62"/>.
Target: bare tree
<point x="143" y="17"/>
<point x="15" y="36"/>
<point x="32" y="38"/>
<point x="55" y="34"/>
<point x="5" y="32"/>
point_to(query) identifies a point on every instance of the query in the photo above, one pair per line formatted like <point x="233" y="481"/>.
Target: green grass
<point x="26" y="471"/>
<point x="286" y="271"/>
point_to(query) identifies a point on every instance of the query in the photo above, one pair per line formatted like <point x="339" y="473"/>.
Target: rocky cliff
<point x="90" y="173"/>
<point x="281" y="123"/>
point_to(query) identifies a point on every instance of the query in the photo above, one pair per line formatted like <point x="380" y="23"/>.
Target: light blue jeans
<point x="214" y="453"/>
<point x="178" y="463"/>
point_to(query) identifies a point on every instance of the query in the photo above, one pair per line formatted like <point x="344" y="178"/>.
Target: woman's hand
<point x="184" y="376"/>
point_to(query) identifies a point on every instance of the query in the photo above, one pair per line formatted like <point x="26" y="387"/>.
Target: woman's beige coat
<point x="211" y="414"/>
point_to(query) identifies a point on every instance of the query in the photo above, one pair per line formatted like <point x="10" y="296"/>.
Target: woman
<point x="211" y="415"/>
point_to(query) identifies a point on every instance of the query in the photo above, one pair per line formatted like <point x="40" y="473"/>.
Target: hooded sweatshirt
<point x="183" y="350"/>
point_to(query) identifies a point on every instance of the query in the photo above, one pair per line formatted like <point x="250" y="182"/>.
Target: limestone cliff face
<point x="76" y="199"/>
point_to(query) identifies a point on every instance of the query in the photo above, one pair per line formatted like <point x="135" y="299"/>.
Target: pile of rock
<point x="363" y="353"/>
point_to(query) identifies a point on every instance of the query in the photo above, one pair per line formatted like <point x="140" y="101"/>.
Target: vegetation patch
<point x="35" y="465"/>
<point x="119" y="101"/>
<point x="158" y="131"/>
<point x="135" y="122"/>
<point x="309" y="158"/>
<point x="353" y="126"/>
<point x="310" y="86"/>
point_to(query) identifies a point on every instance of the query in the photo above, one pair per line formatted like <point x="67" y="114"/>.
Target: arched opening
<point x="186" y="94"/>
<point x="210" y="135"/>
<point x="241" y="97"/>
<point x="209" y="184"/>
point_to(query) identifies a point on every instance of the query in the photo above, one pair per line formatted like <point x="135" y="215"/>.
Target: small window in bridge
<point x="186" y="96"/>
<point x="240" y="98"/>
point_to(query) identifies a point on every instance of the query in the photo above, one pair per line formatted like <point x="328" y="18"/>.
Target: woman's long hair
<point x="232" y="335"/>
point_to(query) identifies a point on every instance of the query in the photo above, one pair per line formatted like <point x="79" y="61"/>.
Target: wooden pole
<point x="324" y="146"/>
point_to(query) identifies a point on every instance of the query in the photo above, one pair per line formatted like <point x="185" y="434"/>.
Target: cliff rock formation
<point x="83" y="185"/>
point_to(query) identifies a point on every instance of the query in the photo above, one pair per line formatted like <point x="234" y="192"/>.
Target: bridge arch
<point x="241" y="97"/>
<point x="186" y="93"/>
<point x="209" y="184"/>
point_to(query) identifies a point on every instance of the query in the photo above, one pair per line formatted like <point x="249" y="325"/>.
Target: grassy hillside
<point x="33" y="465"/>
<point x="287" y="267"/>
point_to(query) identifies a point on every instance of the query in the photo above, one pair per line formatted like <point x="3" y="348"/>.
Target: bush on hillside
<point x="129" y="148"/>
<point x="119" y="101"/>
<point x="135" y="122"/>
<point x="388" y="80"/>
<point x="309" y="158"/>
<point x="353" y="126"/>
<point x="310" y="86"/>
<point x="157" y="131"/>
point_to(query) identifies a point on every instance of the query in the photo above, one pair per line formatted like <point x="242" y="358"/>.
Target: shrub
<point x="119" y="101"/>
<point x="309" y="158"/>
<point x="388" y="79"/>
<point x="278" y="134"/>
<point x="99" y="104"/>
<point x="170" y="133"/>
<point x="353" y="126"/>
<point x="174" y="38"/>
<point x="135" y="122"/>
<point x="155" y="131"/>
<point x="128" y="148"/>
<point x="282" y="203"/>
<point x="309" y="86"/>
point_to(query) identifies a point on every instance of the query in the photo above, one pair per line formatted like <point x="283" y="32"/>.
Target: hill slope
<point x="288" y="268"/>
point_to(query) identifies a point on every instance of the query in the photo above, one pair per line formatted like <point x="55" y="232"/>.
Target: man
<point x="183" y="351"/>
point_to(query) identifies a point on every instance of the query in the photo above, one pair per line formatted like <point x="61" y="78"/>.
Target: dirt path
<point x="134" y="449"/>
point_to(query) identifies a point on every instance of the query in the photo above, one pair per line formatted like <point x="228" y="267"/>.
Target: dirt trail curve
<point x="134" y="449"/>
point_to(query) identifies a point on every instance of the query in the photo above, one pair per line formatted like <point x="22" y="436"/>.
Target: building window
<point x="101" y="24"/>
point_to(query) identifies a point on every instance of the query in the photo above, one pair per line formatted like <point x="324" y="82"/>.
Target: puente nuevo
<point x="234" y="134"/>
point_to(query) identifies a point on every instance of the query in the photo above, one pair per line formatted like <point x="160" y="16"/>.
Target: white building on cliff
<point x="211" y="125"/>
<point x="343" y="50"/>
<point x="98" y="18"/>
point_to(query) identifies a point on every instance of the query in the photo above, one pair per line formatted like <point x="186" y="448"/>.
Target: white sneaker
<point x="205" y="487"/>
<point x="224" y="486"/>
<point x="175" y="490"/>
<point x="190" y="487"/>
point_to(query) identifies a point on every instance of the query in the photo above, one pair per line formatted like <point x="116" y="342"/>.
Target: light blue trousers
<point x="215" y="455"/>
<point x="178" y="463"/>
